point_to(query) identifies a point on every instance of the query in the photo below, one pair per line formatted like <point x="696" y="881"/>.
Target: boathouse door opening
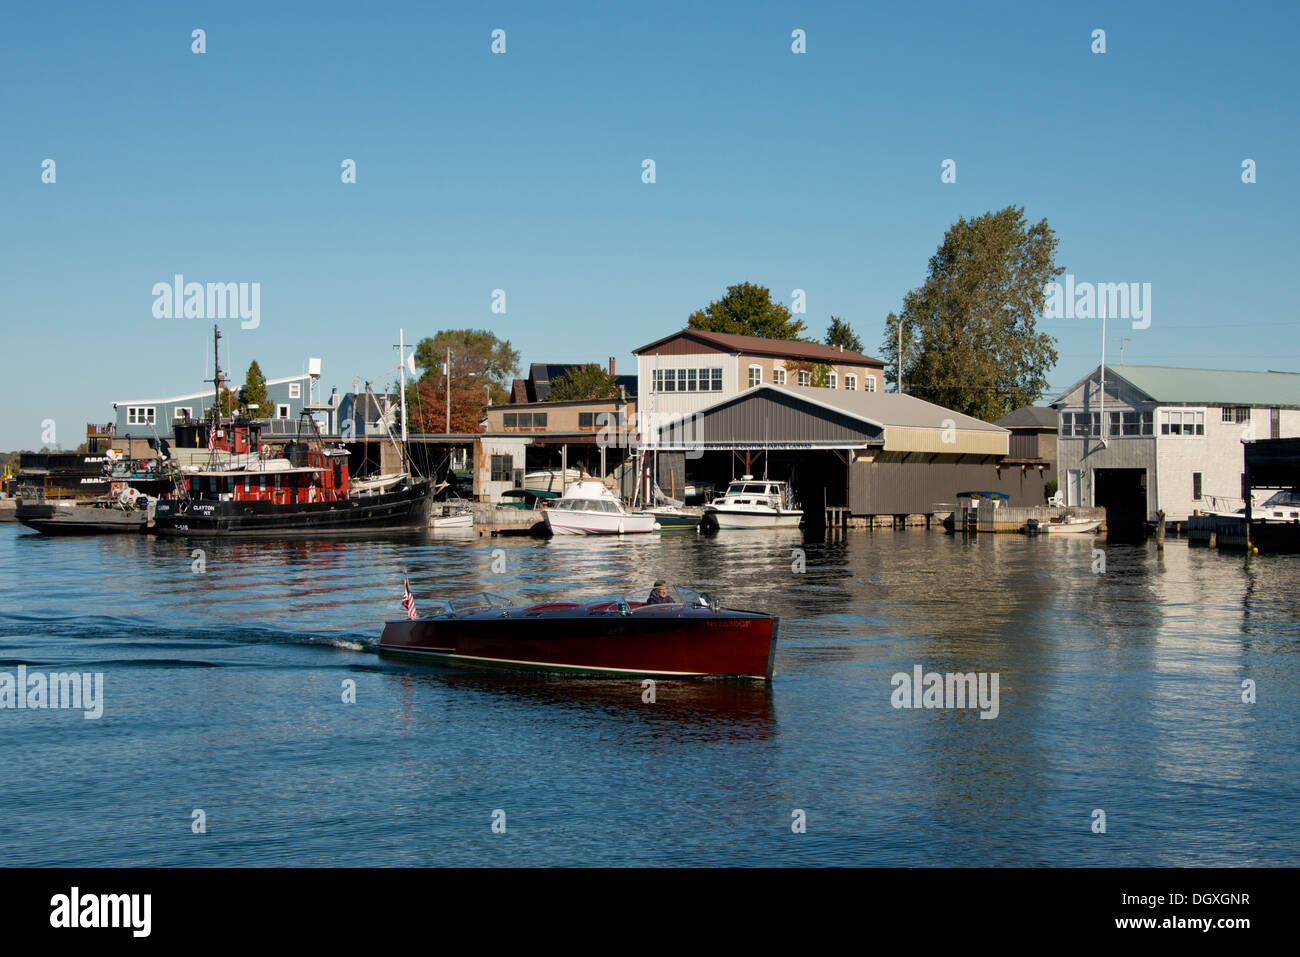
<point x="1123" y="494"/>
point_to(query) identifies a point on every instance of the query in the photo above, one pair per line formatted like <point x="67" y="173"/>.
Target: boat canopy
<point x="528" y="493"/>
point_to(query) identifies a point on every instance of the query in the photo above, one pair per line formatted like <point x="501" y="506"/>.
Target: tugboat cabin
<point x="304" y="475"/>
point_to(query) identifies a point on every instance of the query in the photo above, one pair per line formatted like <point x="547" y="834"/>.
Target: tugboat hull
<point x="401" y="510"/>
<point x="80" y="519"/>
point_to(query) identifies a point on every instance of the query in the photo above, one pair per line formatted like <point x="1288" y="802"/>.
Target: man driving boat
<point x="659" y="594"/>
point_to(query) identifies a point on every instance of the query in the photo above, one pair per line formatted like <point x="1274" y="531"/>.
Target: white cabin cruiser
<point x="755" y="503"/>
<point x="1283" y="506"/>
<point x="589" y="508"/>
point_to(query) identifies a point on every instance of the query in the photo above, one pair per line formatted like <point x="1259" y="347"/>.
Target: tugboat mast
<point x="216" y="392"/>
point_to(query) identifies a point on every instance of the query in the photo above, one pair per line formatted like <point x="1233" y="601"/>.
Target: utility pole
<point x="447" y="369"/>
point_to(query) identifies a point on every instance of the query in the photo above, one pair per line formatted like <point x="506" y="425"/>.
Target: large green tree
<point x="970" y="341"/>
<point x="840" y="333"/>
<point x="589" y="381"/>
<point x="748" y="309"/>
<point x="481" y="369"/>
<point x="476" y="351"/>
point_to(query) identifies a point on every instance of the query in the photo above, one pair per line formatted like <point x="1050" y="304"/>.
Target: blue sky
<point x="522" y="172"/>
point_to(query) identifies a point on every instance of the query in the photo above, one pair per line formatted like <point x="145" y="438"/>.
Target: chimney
<point x="611" y="365"/>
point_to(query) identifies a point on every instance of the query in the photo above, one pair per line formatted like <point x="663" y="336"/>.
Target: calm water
<point x="223" y="692"/>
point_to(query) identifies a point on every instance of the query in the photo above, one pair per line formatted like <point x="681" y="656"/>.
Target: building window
<point x="755" y="376"/>
<point x="182" y="413"/>
<point x="282" y="411"/>
<point x="1196" y="486"/>
<point x="295" y="390"/>
<point x="681" y="380"/>
<point x="1182" y="422"/>
<point x="869" y="383"/>
<point x="670" y="381"/>
<point x="1130" y="423"/>
<point x="501" y="468"/>
<point x="1236" y="414"/>
<point x="140" y="415"/>
<point x="805" y="377"/>
<point x="586" y="420"/>
<point x="716" y="379"/>
<point x="832" y="380"/>
<point x="528" y="420"/>
<point x="850" y="382"/>
<point x="1080" y="424"/>
<point x="778" y="377"/>
<point x="691" y="379"/>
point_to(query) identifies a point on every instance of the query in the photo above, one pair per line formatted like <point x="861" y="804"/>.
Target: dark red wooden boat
<point x="686" y="637"/>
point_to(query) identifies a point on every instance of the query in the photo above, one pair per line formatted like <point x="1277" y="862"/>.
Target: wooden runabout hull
<point x="572" y="638"/>
<point x="404" y="509"/>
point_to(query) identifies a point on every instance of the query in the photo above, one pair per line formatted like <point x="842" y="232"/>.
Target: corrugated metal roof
<point x="1208" y="386"/>
<point x="888" y="408"/>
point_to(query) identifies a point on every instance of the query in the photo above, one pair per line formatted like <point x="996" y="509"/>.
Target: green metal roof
<point x="1212" y="386"/>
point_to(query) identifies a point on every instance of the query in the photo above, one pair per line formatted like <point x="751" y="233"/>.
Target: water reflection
<point x="1119" y="689"/>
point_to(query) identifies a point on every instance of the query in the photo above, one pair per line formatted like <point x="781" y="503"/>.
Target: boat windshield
<point x="677" y="595"/>
<point x="1282" y="498"/>
<point x="472" y="602"/>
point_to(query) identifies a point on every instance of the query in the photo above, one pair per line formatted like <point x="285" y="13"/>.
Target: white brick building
<point x="1168" y="439"/>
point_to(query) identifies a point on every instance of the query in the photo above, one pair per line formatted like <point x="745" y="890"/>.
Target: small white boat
<point x="551" y="480"/>
<point x="378" y="484"/>
<point x="588" y="508"/>
<point x="755" y="503"/>
<point x="1070" y="526"/>
<point x="452" y="515"/>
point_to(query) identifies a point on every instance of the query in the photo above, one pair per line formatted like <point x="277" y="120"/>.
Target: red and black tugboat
<point x="686" y="635"/>
<point x="245" y="489"/>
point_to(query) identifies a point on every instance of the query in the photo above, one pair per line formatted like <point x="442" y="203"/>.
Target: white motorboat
<point x="1070" y="526"/>
<point x="754" y="503"/>
<point x="452" y="515"/>
<point x="588" y="508"/>
<point x="1283" y="506"/>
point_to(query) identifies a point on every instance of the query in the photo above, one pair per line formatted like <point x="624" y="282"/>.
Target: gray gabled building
<point x="878" y="454"/>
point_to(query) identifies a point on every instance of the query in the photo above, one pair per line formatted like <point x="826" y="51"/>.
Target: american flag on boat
<point x="408" y="600"/>
<point x="212" y="435"/>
